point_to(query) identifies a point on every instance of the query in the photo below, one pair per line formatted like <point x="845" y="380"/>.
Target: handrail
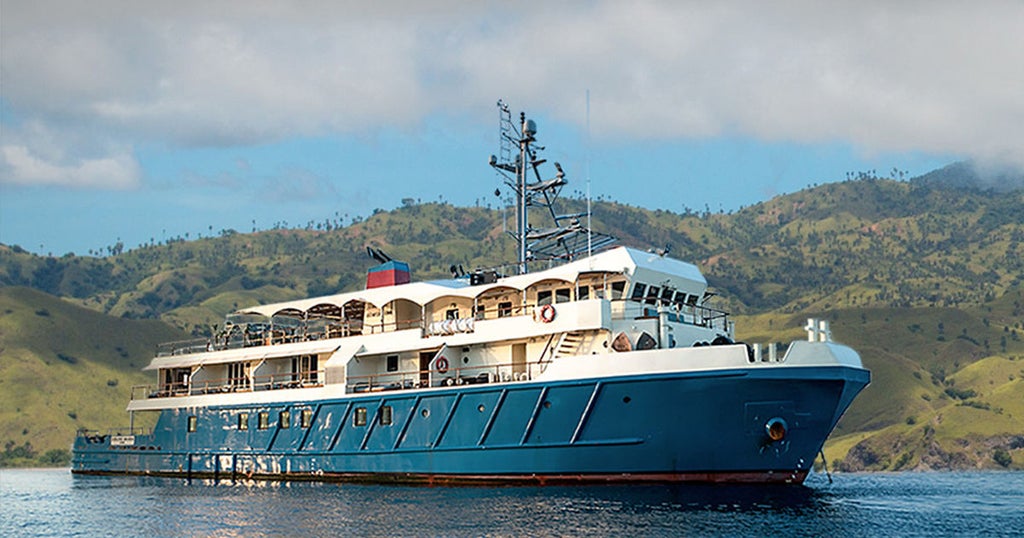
<point x="262" y="334"/>
<point x="408" y="379"/>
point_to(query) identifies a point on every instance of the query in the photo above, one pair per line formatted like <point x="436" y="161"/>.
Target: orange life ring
<point x="441" y="364"/>
<point x="547" y="313"/>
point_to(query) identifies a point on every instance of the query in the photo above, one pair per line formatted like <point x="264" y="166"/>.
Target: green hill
<point x="923" y="278"/>
<point x="64" y="367"/>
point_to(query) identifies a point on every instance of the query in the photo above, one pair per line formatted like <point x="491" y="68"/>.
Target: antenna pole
<point x="524" y="155"/>
<point x="590" y="242"/>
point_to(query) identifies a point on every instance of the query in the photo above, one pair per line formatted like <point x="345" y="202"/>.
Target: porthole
<point x="626" y="400"/>
<point x="480" y="408"/>
<point x="425" y="413"/>
<point x="547" y="404"/>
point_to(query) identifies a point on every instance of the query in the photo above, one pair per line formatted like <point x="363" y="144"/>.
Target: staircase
<point x="569" y="344"/>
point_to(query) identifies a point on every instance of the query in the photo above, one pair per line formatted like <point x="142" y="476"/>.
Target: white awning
<point x="244" y="354"/>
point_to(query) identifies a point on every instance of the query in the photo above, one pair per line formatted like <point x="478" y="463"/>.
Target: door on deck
<point x="518" y="359"/>
<point x="425" y="358"/>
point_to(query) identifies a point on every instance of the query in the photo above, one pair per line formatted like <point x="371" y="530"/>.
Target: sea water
<point x="52" y="502"/>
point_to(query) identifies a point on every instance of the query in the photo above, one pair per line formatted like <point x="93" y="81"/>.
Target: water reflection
<point x="54" y="503"/>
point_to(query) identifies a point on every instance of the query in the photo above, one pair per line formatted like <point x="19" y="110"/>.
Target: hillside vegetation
<point x="923" y="278"/>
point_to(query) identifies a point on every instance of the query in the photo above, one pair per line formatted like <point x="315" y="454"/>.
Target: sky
<point x="143" y="121"/>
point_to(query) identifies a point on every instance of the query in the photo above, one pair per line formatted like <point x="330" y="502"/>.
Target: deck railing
<point x="261" y="334"/>
<point x="408" y="379"/>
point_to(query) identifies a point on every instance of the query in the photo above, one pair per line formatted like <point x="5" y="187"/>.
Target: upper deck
<point x="454" y="305"/>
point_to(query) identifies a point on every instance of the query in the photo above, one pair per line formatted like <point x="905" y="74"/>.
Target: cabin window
<point x="359" y="418"/>
<point x="385" y="415"/>
<point x="638" y="291"/>
<point x="243" y="421"/>
<point x="392" y="363"/>
<point x="451" y="313"/>
<point x="191" y="423"/>
<point x="263" y="420"/>
<point x="583" y="293"/>
<point x="284" y="420"/>
<point x="618" y="290"/>
<point x="480" y="311"/>
<point x="563" y="295"/>
<point x="505" y="309"/>
<point x="306" y="418"/>
<point x="543" y="297"/>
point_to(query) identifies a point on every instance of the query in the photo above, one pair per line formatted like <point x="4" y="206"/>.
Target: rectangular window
<point x="583" y="293"/>
<point x="284" y="420"/>
<point x="666" y="295"/>
<point x="680" y="298"/>
<point x="392" y="363"/>
<point x="692" y="300"/>
<point x="451" y="313"/>
<point x="618" y="290"/>
<point x="543" y="297"/>
<point x="243" y="421"/>
<point x="652" y="295"/>
<point x="192" y="423"/>
<point x="263" y="420"/>
<point x="385" y="415"/>
<point x="306" y="419"/>
<point x="359" y="418"/>
<point x="562" y="295"/>
<point x="638" y="291"/>
<point x="505" y="309"/>
<point x="480" y="311"/>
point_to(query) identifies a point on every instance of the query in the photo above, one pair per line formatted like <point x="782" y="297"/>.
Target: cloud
<point x="935" y="77"/>
<point x="20" y="166"/>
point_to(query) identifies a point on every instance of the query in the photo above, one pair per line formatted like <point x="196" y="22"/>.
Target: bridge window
<point x="652" y="295"/>
<point x="638" y="291"/>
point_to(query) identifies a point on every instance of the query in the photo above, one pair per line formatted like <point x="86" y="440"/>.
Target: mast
<point x="568" y="238"/>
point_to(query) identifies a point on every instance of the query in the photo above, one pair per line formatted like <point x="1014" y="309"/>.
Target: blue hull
<point x="694" y="426"/>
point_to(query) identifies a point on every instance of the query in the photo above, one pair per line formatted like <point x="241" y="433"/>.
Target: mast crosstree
<point x="519" y="165"/>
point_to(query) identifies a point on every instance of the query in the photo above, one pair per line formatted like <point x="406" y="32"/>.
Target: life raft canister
<point x="547" y="313"/>
<point x="441" y="364"/>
